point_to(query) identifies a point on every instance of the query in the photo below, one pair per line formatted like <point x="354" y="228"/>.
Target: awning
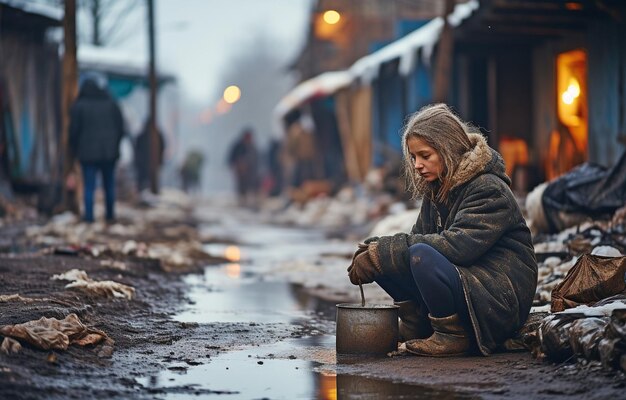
<point x="405" y="49"/>
<point x="321" y="85"/>
<point x="366" y="68"/>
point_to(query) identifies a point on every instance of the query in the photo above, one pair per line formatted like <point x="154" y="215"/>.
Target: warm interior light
<point x="572" y="92"/>
<point x="331" y="17"/>
<point x="232" y="94"/>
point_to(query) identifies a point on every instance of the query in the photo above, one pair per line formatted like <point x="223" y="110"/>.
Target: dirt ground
<point x="148" y="340"/>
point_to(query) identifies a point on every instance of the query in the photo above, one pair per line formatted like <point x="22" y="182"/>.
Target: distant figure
<point x="142" y="156"/>
<point x="190" y="171"/>
<point x="96" y="129"/>
<point x="275" y="167"/>
<point x="243" y="160"/>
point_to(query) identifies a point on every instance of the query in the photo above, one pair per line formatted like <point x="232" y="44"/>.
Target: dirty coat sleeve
<point x="483" y="217"/>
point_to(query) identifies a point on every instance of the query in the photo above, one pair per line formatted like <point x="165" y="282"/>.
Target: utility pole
<point x="154" y="136"/>
<point x="68" y="94"/>
<point x="444" y="56"/>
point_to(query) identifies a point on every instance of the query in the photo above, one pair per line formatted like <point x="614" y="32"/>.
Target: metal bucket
<point x="369" y="329"/>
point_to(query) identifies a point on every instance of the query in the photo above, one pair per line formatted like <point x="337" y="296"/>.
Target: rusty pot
<point x="366" y="329"/>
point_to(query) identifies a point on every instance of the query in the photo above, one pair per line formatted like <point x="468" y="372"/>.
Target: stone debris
<point x="80" y="280"/>
<point x="53" y="334"/>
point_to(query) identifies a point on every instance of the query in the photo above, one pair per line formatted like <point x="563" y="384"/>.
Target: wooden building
<point x="544" y="80"/>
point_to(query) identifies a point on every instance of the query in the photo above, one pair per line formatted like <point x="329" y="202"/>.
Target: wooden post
<point x="68" y="94"/>
<point x="154" y="136"/>
<point x="444" y="57"/>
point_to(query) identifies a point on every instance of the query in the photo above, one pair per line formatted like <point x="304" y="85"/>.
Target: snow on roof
<point x="405" y="49"/>
<point x="113" y="61"/>
<point x="367" y="67"/>
<point x="328" y="82"/>
<point x="29" y="7"/>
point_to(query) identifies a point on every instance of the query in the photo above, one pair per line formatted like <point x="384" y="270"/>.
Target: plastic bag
<point x="554" y="336"/>
<point x="613" y="346"/>
<point x="585" y="335"/>
<point x="591" y="279"/>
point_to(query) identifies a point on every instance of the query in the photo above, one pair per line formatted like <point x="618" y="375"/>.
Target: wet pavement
<point x="241" y="291"/>
<point x="258" y="325"/>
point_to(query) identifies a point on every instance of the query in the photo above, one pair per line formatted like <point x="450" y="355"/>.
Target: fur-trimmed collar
<point x="475" y="161"/>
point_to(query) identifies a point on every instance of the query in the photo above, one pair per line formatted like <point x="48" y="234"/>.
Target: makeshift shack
<point x="29" y="94"/>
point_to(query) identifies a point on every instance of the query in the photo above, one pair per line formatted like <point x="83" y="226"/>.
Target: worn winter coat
<point x="486" y="238"/>
<point x="96" y="125"/>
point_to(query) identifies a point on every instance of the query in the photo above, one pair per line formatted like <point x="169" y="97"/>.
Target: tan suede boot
<point x="414" y="323"/>
<point x="449" y="339"/>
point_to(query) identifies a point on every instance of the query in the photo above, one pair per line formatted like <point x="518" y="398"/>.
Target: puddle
<point x="240" y="291"/>
<point x="277" y="371"/>
<point x="226" y="294"/>
<point x="244" y="290"/>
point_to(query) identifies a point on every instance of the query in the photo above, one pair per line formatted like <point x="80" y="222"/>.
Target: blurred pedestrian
<point x="243" y="160"/>
<point x="143" y="154"/>
<point x="191" y="170"/>
<point x="465" y="276"/>
<point x="96" y="129"/>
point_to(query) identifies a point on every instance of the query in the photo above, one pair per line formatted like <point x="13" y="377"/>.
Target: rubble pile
<point x="350" y="207"/>
<point x="596" y="333"/>
<point x="582" y="277"/>
<point x="557" y="254"/>
<point x="156" y="231"/>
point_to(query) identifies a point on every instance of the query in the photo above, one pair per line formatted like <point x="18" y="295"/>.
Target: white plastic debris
<point x="81" y="281"/>
<point x="597" y="311"/>
<point x="606" y="251"/>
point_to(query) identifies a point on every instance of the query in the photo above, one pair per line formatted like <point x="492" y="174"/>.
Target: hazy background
<point x="209" y="45"/>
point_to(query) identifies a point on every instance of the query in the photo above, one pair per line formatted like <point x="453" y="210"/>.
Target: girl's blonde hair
<point x="438" y="126"/>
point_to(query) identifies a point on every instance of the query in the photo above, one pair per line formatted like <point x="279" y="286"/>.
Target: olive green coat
<point x="486" y="238"/>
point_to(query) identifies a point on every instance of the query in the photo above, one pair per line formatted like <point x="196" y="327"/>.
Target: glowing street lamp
<point x="232" y="94"/>
<point x="331" y="17"/>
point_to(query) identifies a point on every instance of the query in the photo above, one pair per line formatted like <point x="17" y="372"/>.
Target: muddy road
<point x="254" y="321"/>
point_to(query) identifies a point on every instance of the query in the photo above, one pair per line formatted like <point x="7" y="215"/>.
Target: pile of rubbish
<point x="54" y="334"/>
<point x="157" y="232"/>
<point x="587" y="298"/>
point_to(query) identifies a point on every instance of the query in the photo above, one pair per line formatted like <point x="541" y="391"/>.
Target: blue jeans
<point x="433" y="282"/>
<point x="90" y="170"/>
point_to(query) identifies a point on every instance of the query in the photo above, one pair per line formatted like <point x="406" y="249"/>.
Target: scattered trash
<point x="81" y="281"/>
<point x="10" y="346"/>
<point x="4" y="298"/>
<point x="51" y="333"/>
<point x="593" y="278"/>
<point x="113" y="264"/>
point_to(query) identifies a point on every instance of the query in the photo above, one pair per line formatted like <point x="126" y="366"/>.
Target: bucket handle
<point x="362" y="294"/>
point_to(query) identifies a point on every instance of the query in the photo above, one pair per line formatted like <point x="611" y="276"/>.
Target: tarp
<point x="588" y="189"/>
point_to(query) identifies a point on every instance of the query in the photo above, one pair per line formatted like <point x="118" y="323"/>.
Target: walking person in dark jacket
<point x="96" y="129"/>
<point x="465" y="276"/>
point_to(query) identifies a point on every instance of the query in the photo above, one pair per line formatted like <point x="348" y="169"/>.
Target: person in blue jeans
<point x="465" y="276"/>
<point x="96" y="129"/>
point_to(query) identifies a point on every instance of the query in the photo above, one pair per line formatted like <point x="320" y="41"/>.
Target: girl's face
<point x="426" y="160"/>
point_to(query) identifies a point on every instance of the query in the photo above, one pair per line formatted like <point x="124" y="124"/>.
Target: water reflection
<point x="358" y="387"/>
<point x="268" y="372"/>
<point x="233" y="270"/>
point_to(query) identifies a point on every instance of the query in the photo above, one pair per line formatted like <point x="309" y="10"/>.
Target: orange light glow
<point x="223" y="107"/>
<point x="233" y="270"/>
<point x="572" y="100"/>
<point x="232" y="253"/>
<point x="327" y="386"/>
